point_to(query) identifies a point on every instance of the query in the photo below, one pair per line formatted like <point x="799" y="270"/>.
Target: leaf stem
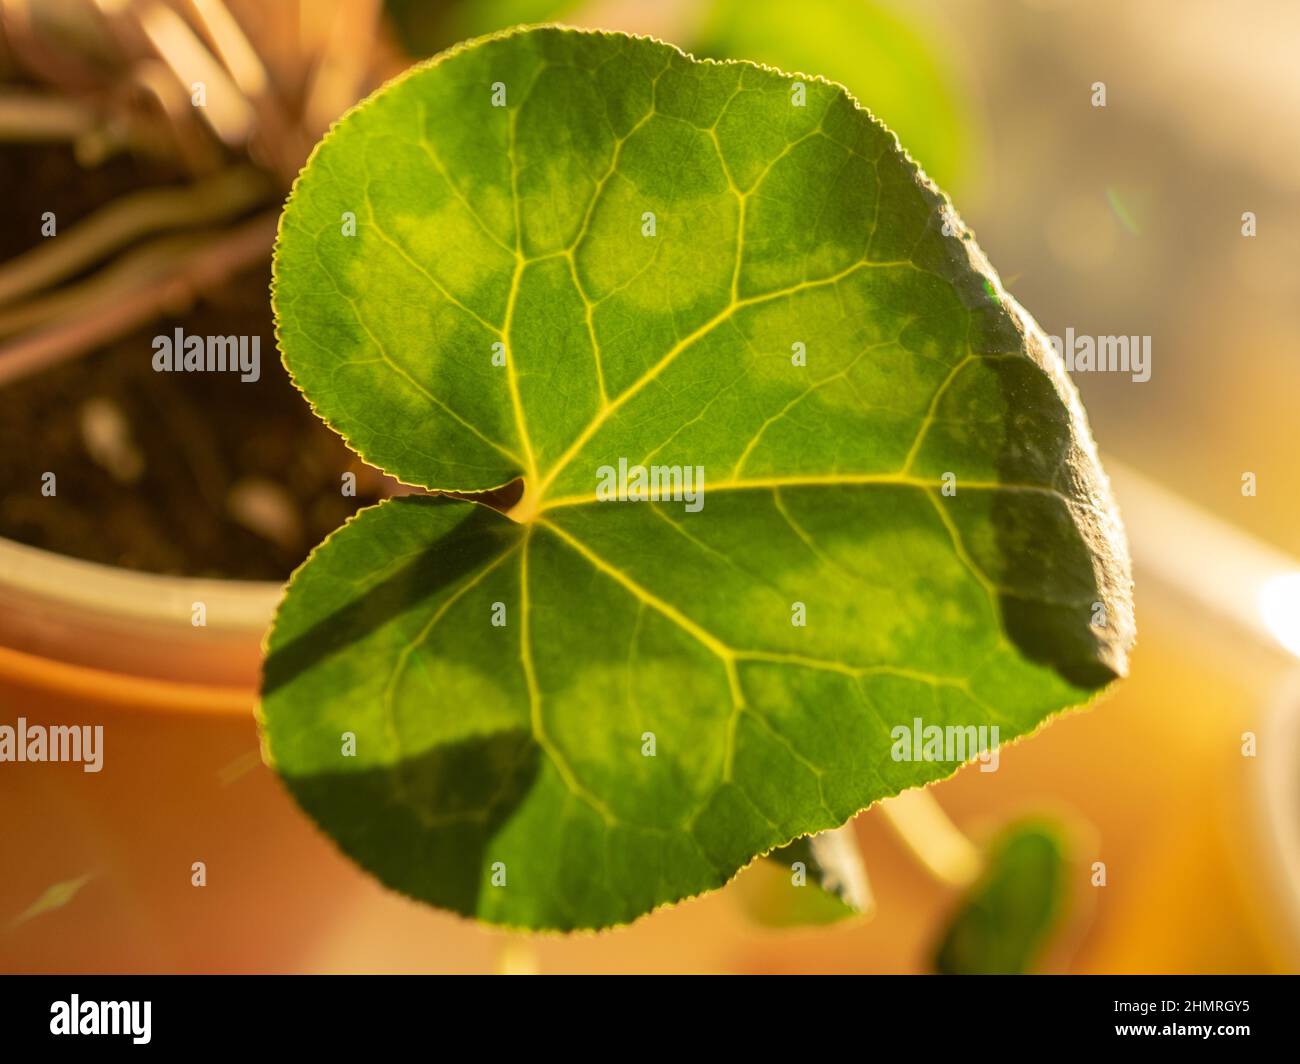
<point x="924" y="828"/>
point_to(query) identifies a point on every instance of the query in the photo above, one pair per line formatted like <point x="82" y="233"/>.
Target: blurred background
<point x="1123" y="219"/>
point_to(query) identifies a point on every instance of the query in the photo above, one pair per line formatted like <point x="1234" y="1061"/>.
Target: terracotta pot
<point x="181" y="781"/>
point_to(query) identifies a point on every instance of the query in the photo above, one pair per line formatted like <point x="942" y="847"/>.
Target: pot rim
<point x="129" y="596"/>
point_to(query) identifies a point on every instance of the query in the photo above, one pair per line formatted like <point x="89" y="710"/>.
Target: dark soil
<point x="184" y="473"/>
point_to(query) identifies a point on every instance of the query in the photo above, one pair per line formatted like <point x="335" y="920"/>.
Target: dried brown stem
<point x="227" y="195"/>
<point x="118" y="313"/>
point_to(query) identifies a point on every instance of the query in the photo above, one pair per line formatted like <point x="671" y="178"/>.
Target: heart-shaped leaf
<point x="575" y="257"/>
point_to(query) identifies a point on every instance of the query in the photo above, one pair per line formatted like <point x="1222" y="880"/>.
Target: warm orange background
<point x="1122" y="220"/>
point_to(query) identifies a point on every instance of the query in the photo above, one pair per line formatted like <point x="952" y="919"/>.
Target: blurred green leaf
<point x="425" y="28"/>
<point x="815" y="880"/>
<point x="1007" y="917"/>
<point x="881" y="58"/>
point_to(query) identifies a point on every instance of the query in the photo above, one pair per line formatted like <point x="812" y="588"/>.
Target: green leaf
<point x="1005" y="920"/>
<point x="504" y="770"/>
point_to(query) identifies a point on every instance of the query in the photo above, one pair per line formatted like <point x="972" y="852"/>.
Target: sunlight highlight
<point x="1279" y="605"/>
